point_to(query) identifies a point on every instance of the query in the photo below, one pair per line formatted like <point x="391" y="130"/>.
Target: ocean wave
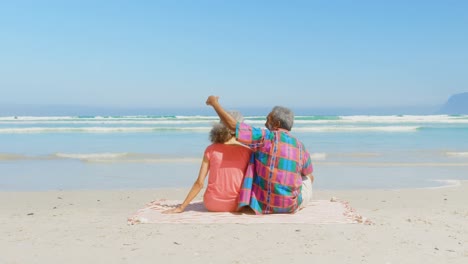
<point x="124" y="157"/>
<point x="103" y="118"/>
<point x="35" y="118"/>
<point x="404" y="119"/>
<point x="318" y="129"/>
<point x="319" y="159"/>
<point x="357" y="129"/>
<point x="19" y="157"/>
<point x="145" y="160"/>
<point x="102" y="157"/>
<point x="457" y="154"/>
<point x="110" y="122"/>
<point x="86" y="156"/>
<point x="392" y="164"/>
<point x="357" y="154"/>
<point x="300" y="119"/>
<point x="8" y="156"/>
<point x="32" y="130"/>
<point x="445" y="184"/>
<point x="140" y="157"/>
<point x="318" y="156"/>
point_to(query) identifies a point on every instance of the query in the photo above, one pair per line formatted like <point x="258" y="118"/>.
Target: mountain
<point x="457" y="104"/>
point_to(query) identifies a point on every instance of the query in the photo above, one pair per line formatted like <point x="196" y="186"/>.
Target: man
<point x="280" y="180"/>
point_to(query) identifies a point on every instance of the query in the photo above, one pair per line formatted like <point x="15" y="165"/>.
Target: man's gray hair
<point x="284" y="115"/>
<point x="220" y="133"/>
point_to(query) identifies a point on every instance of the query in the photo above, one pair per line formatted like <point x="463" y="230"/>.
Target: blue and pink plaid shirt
<point x="272" y="183"/>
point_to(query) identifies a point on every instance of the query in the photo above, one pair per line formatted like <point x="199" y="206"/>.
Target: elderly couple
<point x="267" y="170"/>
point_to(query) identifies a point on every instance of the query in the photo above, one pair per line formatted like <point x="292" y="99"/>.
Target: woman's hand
<point x="176" y="210"/>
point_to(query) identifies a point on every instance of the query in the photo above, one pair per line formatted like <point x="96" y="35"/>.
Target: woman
<point x="226" y="161"/>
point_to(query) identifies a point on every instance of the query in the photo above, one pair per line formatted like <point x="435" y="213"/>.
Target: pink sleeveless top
<point x="228" y="163"/>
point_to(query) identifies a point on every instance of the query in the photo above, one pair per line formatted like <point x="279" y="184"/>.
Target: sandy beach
<point x="410" y="226"/>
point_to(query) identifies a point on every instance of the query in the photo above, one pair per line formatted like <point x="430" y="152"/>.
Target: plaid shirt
<point x="272" y="183"/>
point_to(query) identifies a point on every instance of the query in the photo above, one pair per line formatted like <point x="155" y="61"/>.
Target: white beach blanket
<point x="317" y="212"/>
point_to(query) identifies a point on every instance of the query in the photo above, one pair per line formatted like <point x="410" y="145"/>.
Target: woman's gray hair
<point x="284" y="115"/>
<point x="220" y="133"/>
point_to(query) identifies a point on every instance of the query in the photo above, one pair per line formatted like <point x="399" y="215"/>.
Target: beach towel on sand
<point x="317" y="212"/>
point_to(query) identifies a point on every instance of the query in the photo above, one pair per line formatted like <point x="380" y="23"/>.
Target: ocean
<point x="40" y="153"/>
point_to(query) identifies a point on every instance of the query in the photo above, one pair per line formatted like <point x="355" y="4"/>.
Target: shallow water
<point x="43" y="153"/>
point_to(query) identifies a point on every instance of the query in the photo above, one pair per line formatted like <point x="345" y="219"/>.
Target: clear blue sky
<point x="251" y="53"/>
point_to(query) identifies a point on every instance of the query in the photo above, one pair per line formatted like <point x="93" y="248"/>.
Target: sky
<point x="250" y="53"/>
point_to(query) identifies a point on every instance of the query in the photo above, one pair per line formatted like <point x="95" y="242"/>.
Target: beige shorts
<point x="306" y="191"/>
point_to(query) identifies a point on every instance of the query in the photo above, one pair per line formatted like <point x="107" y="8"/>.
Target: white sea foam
<point x="32" y="130"/>
<point x="394" y="164"/>
<point x="457" y="154"/>
<point x="108" y="122"/>
<point x="445" y="184"/>
<point x="8" y="156"/>
<point x="357" y="129"/>
<point x="124" y="157"/>
<point x="97" y="129"/>
<point x="145" y="160"/>
<point x="208" y="120"/>
<point x="38" y="118"/>
<point x="87" y="156"/>
<point x="318" y="156"/>
<point x="357" y="154"/>
<point x="404" y="119"/>
<point x="198" y="117"/>
<point x="298" y="119"/>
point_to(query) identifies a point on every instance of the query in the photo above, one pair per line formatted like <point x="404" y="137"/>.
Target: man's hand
<point x="212" y="99"/>
<point x="226" y="118"/>
<point x="311" y="177"/>
<point x="176" y="210"/>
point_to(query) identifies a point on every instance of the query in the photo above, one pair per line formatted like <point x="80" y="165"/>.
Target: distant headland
<point x="457" y="104"/>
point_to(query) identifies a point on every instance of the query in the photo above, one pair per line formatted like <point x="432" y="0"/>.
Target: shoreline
<point x="70" y="174"/>
<point x="445" y="183"/>
<point x="410" y="226"/>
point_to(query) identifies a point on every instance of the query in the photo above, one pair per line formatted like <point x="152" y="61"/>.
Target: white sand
<point x="411" y="226"/>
